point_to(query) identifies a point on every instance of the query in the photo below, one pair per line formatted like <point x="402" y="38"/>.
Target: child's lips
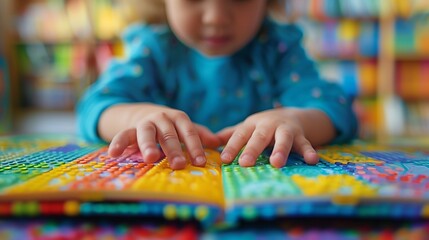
<point x="217" y="41"/>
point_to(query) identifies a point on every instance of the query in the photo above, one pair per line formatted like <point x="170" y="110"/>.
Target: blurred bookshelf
<point x="377" y="50"/>
<point x="5" y="110"/>
<point x="55" y="49"/>
<point x="5" y="84"/>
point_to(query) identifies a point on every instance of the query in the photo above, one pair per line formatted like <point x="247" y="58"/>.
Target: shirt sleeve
<point x="133" y="79"/>
<point x="299" y="84"/>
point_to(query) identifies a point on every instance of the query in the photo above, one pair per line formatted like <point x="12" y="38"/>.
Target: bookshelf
<point x="56" y="48"/>
<point x="376" y="50"/>
<point x="5" y="84"/>
<point x="405" y="89"/>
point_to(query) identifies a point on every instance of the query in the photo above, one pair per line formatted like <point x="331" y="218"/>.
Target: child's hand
<point x="169" y="128"/>
<point x="278" y="127"/>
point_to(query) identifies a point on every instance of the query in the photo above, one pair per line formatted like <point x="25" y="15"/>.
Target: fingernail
<point x="246" y="160"/>
<point x="225" y="157"/>
<point x="200" y="161"/>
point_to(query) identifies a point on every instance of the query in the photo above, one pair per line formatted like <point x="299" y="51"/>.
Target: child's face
<point x="215" y="27"/>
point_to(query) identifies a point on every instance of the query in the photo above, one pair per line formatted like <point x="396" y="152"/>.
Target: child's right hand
<point x="170" y="128"/>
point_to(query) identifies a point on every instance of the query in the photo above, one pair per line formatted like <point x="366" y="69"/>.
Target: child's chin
<point x="215" y="53"/>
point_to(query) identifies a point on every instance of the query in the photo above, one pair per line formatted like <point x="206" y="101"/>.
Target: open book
<point x="53" y="176"/>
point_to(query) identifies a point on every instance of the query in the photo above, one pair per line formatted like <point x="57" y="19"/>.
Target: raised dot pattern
<point x="78" y="171"/>
<point x="16" y="146"/>
<point x="92" y="172"/>
<point x="345" y="175"/>
<point x="192" y="183"/>
<point x="21" y="170"/>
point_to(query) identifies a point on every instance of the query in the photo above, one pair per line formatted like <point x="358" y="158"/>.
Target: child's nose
<point x="216" y="14"/>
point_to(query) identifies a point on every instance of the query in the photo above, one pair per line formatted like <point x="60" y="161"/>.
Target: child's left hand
<point x="280" y="127"/>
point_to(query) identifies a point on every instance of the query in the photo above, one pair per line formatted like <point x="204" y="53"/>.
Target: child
<point x="216" y="73"/>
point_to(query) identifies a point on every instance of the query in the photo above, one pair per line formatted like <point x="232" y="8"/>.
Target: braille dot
<point x="196" y="173"/>
<point x="106" y="90"/>
<point x="342" y="100"/>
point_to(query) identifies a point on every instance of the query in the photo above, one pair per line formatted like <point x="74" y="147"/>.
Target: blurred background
<point x="378" y="50"/>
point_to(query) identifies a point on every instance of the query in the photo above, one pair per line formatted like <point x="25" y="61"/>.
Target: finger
<point x="303" y="147"/>
<point x="189" y="135"/>
<point x="237" y="141"/>
<point x="169" y="141"/>
<point x="282" y="147"/>
<point x="225" y="134"/>
<point x="260" y="139"/>
<point x="208" y="138"/>
<point x="146" y="138"/>
<point x="121" y="141"/>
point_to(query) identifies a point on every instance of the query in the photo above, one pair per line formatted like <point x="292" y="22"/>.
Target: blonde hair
<point x="147" y="11"/>
<point x="153" y="11"/>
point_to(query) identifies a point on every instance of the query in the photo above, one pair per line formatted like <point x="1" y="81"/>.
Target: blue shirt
<point x="272" y="69"/>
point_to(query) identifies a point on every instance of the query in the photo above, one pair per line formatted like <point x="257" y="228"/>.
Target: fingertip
<point x="151" y="155"/>
<point x="115" y="150"/>
<point x="226" y="157"/>
<point x="311" y="157"/>
<point x="200" y="161"/>
<point x="178" y="163"/>
<point x="246" y="160"/>
<point x="278" y="160"/>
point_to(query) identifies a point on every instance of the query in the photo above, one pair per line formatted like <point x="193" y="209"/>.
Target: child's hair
<point x="147" y="11"/>
<point x="153" y="11"/>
